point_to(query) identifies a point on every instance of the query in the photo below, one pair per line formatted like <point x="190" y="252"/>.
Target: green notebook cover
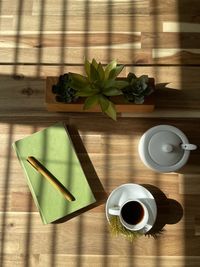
<point x="54" y="149"/>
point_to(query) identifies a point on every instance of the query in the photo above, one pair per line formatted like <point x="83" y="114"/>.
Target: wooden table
<point x="47" y="38"/>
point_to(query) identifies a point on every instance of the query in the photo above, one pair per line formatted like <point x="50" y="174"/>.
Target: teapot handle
<point x="188" y="146"/>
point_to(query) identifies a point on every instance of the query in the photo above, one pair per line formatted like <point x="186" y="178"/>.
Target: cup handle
<point x="114" y="211"/>
<point x="188" y="146"/>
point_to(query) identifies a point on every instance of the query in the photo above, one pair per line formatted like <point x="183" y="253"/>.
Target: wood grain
<point x="106" y="29"/>
<point x="77" y="239"/>
<point x="159" y="38"/>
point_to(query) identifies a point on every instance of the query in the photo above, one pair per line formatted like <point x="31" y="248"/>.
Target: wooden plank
<point x="171" y="40"/>
<point x="20" y="260"/>
<point x="97" y="23"/>
<point x="106" y="40"/>
<point x="189" y="184"/>
<point x="115" y="260"/>
<point x="71" y="39"/>
<point x="79" y="6"/>
<point x="124" y="55"/>
<point x="74" y="55"/>
<point x="45" y="260"/>
<point x="185" y="26"/>
<point x="95" y="7"/>
<point x="12" y="7"/>
<point x="182" y="7"/>
<point x="31" y="24"/>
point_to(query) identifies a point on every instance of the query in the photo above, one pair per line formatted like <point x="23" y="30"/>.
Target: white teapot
<point x="164" y="148"/>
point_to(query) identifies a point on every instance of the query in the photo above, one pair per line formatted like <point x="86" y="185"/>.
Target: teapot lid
<point x="160" y="148"/>
<point x="164" y="148"/>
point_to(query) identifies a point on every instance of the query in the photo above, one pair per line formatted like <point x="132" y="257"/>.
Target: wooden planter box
<point x="53" y="105"/>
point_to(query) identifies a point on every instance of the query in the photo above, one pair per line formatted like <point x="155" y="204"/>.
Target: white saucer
<point x="136" y="191"/>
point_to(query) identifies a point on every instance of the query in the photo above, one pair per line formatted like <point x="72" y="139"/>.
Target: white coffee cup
<point x="133" y="214"/>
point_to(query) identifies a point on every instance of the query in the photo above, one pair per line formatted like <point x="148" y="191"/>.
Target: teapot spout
<point x="188" y="146"/>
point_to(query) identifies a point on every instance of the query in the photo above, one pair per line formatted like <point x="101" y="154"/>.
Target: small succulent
<point x="99" y="85"/>
<point x="137" y="88"/>
<point x="63" y="90"/>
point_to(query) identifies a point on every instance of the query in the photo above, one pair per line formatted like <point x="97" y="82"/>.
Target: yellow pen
<point x="49" y="177"/>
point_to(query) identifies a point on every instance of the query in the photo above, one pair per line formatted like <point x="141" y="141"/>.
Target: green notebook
<point x="54" y="149"/>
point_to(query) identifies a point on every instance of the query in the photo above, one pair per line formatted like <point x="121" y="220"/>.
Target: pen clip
<point x="31" y="160"/>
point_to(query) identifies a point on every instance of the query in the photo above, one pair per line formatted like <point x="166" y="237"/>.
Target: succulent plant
<point x="99" y="85"/>
<point x="137" y="88"/>
<point x="63" y="90"/>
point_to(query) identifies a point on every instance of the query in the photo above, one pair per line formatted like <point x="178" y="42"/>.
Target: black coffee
<point x="132" y="212"/>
